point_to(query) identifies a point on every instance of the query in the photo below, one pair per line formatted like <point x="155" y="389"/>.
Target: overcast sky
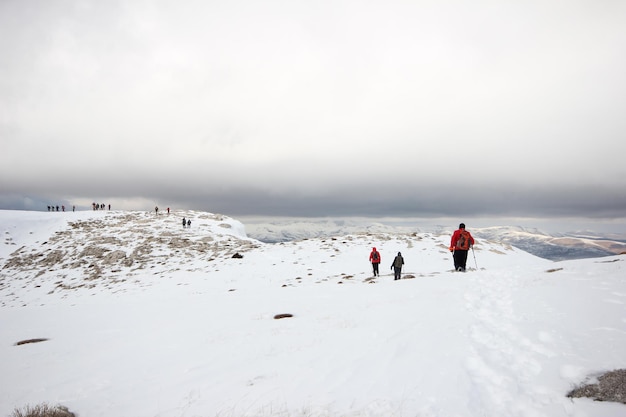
<point x="316" y="108"/>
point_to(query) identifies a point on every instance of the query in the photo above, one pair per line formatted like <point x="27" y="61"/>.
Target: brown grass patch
<point x="43" y="410"/>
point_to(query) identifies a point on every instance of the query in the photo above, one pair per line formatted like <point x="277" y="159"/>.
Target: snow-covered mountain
<point x="300" y="229"/>
<point x="573" y="245"/>
<point x="136" y="316"/>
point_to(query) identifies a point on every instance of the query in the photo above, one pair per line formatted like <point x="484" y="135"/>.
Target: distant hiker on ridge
<point x="184" y="222"/>
<point x="397" y="266"/>
<point x="188" y="222"/>
<point x="156" y="209"/>
<point x="375" y="260"/>
<point x="461" y="241"/>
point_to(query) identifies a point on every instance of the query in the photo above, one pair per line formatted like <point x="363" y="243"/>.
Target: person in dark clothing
<point x="188" y="222"/>
<point x="375" y="260"/>
<point x="397" y="266"/>
<point x="460" y="243"/>
<point x="184" y="222"/>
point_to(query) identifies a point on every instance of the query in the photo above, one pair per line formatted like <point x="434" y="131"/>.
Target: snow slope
<point x="145" y="318"/>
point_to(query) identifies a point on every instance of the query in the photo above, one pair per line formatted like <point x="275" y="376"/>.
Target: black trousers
<point x="460" y="258"/>
<point x="375" y="267"/>
<point x="397" y="273"/>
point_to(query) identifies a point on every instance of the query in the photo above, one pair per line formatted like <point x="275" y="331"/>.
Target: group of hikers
<point x="62" y="208"/>
<point x="460" y="244"/>
<point x="102" y="206"/>
<point x="94" y="206"/>
<point x="396" y="265"/>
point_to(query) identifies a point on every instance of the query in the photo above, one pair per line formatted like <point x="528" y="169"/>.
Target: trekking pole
<point x="474" y="257"/>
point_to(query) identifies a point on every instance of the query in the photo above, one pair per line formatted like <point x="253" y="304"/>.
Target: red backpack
<point x="463" y="243"/>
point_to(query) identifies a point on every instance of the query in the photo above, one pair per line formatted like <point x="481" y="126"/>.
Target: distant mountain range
<point x="575" y="245"/>
<point x="572" y="245"/>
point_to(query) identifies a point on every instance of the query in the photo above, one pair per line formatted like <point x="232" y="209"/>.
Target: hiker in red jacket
<point x="461" y="242"/>
<point x="375" y="260"/>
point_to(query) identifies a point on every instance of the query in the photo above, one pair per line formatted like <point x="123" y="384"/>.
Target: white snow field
<point x="145" y="318"/>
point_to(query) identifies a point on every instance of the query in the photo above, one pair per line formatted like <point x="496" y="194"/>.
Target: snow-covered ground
<point x="145" y="318"/>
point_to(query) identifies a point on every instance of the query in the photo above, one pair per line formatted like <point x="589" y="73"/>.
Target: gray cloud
<point x="384" y="108"/>
<point x="419" y="202"/>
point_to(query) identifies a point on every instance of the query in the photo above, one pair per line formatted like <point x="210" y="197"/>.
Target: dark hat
<point x="462" y="226"/>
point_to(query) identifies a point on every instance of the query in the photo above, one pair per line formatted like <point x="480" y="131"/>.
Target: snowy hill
<point x="142" y="317"/>
<point x="88" y="250"/>
<point x="573" y="245"/>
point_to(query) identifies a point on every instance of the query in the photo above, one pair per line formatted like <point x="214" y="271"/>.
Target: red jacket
<point x="377" y="261"/>
<point x="455" y="238"/>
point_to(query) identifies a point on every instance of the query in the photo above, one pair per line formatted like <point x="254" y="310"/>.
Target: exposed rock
<point x="611" y="386"/>
<point x="27" y="341"/>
